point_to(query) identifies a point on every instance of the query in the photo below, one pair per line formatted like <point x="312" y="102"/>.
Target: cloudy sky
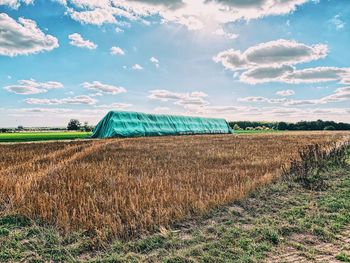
<point x="238" y="59"/>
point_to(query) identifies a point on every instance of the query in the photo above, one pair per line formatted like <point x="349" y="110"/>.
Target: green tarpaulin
<point x="134" y="124"/>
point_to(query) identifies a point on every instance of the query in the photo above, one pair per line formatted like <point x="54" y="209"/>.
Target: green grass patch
<point x="255" y="131"/>
<point x="42" y="136"/>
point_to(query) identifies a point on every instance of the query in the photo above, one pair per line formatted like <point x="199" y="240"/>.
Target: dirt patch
<point x="310" y="248"/>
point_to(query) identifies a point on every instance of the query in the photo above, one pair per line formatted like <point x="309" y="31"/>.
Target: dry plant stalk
<point x="125" y="187"/>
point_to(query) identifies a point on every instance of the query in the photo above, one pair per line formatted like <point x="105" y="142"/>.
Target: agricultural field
<point x="57" y="136"/>
<point x="131" y="192"/>
<point x="42" y="136"/>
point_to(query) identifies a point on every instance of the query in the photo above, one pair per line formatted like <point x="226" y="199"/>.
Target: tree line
<point x="318" y="125"/>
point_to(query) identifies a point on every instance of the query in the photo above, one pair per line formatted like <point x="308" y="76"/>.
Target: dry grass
<point x="124" y="187"/>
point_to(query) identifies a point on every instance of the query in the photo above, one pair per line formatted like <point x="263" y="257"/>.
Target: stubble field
<point x="126" y="187"/>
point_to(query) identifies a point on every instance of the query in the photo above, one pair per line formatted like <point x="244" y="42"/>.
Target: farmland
<point x="73" y="135"/>
<point x="67" y="135"/>
<point x="41" y="136"/>
<point x="129" y="188"/>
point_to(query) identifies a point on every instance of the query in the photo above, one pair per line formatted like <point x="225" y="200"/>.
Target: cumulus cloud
<point x="78" y="41"/>
<point x="285" y="93"/>
<point x="221" y="32"/>
<point x="114" y="106"/>
<point x="15" y="3"/>
<point x="337" y="22"/>
<point x="154" y="61"/>
<point x="165" y="95"/>
<point x="186" y="100"/>
<point x="190" y="13"/>
<point x="96" y="16"/>
<point x="137" y="67"/>
<point x="289" y="74"/>
<point x="117" y="51"/>
<point x="276" y="61"/>
<point x="318" y="74"/>
<point x="339" y="95"/>
<point x="271" y="54"/>
<point x="23" y="37"/>
<point x="104" y="88"/>
<point x="266" y="74"/>
<point x="83" y="99"/>
<point x="262" y="99"/>
<point x="29" y="87"/>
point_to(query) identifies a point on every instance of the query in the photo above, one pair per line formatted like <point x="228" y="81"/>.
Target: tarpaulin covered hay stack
<point x="135" y="124"/>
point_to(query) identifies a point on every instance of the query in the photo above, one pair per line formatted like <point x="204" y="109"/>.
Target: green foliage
<point x="236" y="127"/>
<point x="310" y="169"/>
<point x="87" y="128"/>
<point x="282" y="126"/>
<point x="148" y="244"/>
<point x="318" y="125"/>
<point x="74" y="125"/>
<point x="343" y="257"/>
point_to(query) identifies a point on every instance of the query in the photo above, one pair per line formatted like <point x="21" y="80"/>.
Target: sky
<point x="266" y="60"/>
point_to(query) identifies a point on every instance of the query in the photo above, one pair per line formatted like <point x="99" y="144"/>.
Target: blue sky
<point x="256" y="60"/>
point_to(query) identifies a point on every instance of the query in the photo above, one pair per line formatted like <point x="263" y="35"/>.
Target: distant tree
<point x="282" y="126"/>
<point x="74" y="125"/>
<point x="20" y="128"/>
<point x="236" y="127"/>
<point x="318" y="125"/>
<point x="3" y="130"/>
<point x="329" y="128"/>
<point x="87" y="128"/>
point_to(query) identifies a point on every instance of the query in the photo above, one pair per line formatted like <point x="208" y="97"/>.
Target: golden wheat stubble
<point x="125" y="187"/>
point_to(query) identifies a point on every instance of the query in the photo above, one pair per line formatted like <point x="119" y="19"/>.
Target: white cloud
<point x="155" y="61"/>
<point x="221" y="32"/>
<point x="318" y="74"/>
<point x="96" y="16"/>
<point x="165" y="95"/>
<point x="338" y="22"/>
<point x="339" y="95"/>
<point x="119" y="30"/>
<point x="262" y="99"/>
<point x="83" y="99"/>
<point x="117" y="51"/>
<point x="23" y="37"/>
<point x="104" y="88"/>
<point x="114" y="106"/>
<point x="78" y="41"/>
<point x="29" y="87"/>
<point x="98" y="94"/>
<point x="15" y="3"/>
<point x="273" y="53"/>
<point x="285" y="93"/>
<point x="137" y="67"/>
<point x="24" y="90"/>
<point x="275" y="61"/>
<point x="266" y="74"/>
<point x="288" y="74"/>
<point x="186" y="100"/>
<point x="193" y="14"/>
